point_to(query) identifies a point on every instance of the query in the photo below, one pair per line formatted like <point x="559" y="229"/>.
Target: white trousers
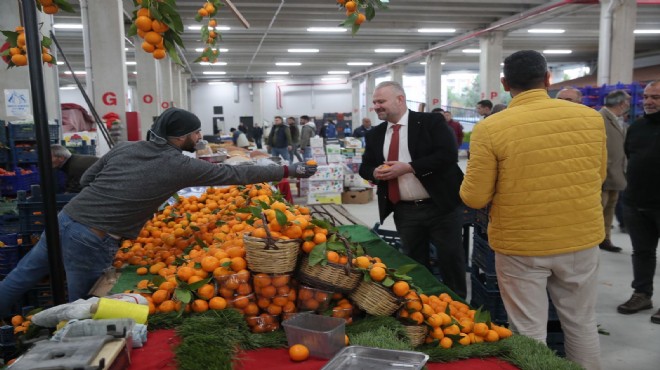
<point x="571" y="280"/>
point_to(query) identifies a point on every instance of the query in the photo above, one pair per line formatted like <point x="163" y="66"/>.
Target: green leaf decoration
<point x="65" y="6"/>
<point x="280" y="217"/>
<point x="405" y="269"/>
<point x="183" y="295"/>
<point x="11" y="37"/>
<point x="370" y="12"/>
<point x="201" y="243"/>
<point x="317" y="255"/>
<point x="198" y="18"/>
<point x="322" y="223"/>
<point x="198" y="284"/>
<point x="46" y="42"/>
<point x="388" y="282"/>
<point x="157" y="280"/>
<point x="336" y="246"/>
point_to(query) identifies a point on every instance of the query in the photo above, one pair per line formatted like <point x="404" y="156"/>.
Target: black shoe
<point x="607" y="245"/>
<point x="636" y="303"/>
<point x="656" y="318"/>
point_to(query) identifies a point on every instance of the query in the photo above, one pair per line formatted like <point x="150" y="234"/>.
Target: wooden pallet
<point x="335" y="213"/>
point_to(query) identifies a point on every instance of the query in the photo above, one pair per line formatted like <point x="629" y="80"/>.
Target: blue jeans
<point x="308" y="153"/>
<point x="85" y="257"/>
<point x="282" y="152"/>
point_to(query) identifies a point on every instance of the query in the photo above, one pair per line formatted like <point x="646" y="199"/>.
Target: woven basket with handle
<point x="375" y="299"/>
<point x="270" y="255"/>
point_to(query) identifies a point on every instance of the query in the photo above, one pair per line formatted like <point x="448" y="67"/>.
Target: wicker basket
<point x="271" y="256"/>
<point x="416" y="334"/>
<point x="375" y="299"/>
<point x="334" y="277"/>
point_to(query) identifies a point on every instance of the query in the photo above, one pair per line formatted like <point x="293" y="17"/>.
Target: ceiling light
<point x="545" y="30"/>
<point x="67" y="88"/>
<point x="502" y="64"/>
<point x="557" y="51"/>
<point x="125" y="49"/>
<point x="303" y="50"/>
<point x="288" y="63"/>
<point x="214" y="73"/>
<point x="213" y="64"/>
<point x="76" y="72"/>
<point x="646" y="32"/>
<point x="134" y="72"/>
<point x="389" y="50"/>
<point x="201" y="50"/>
<point x="217" y="83"/>
<point x="59" y="62"/>
<point x="359" y="63"/>
<point x="270" y="81"/>
<point x="130" y="63"/>
<point x="68" y="26"/>
<point x="424" y="63"/>
<point x="277" y="72"/>
<point x="327" y="29"/>
<point x="436" y="30"/>
<point x="471" y="51"/>
<point x="217" y="28"/>
<point x="331" y="79"/>
<point x="338" y="72"/>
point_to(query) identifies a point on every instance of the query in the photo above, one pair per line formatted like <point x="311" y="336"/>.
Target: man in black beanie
<point x="120" y="193"/>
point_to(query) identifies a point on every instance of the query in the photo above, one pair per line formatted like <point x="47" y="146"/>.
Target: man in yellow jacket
<point x="540" y="164"/>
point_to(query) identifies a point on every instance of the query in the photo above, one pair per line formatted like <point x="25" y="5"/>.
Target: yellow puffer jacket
<point x="540" y="163"/>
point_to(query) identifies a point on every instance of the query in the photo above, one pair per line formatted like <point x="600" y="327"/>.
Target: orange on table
<point x="217" y="303"/>
<point x="298" y="352"/>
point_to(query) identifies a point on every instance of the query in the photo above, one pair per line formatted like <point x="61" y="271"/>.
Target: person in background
<point x="455" y="125"/>
<point x="241" y="139"/>
<point x="498" y="108"/>
<point x="616" y="104"/>
<point x="307" y="132"/>
<point x="484" y="107"/>
<point x="121" y="191"/>
<point x="545" y="217"/>
<point x="295" y="138"/>
<point x="362" y="131"/>
<point x="413" y="159"/>
<point x="234" y="135"/>
<point x="570" y="94"/>
<point x="73" y="165"/>
<point x="257" y="134"/>
<point x="279" y="140"/>
<point x="641" y="200"/>
<point x="328" y="131"/>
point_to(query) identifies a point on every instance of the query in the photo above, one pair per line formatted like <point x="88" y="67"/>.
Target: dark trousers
<point x="644" y="230"/>
<point x="258" y="142"/>
<point x="419" y="225"/>
<point x="618" y="210"/>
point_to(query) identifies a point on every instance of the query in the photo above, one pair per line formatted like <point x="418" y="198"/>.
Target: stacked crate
<point x="594" y="97"/>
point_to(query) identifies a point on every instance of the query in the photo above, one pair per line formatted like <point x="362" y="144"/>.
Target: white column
<point x="433" y="72"/>
<point x="165" y="85"/>
<point x="176" y="85"/>
<point x="489" y="65"/>
<point x="396" y="73"/>
<point x="51" y="82"/>
<point x="624" y="19"/>
<point x="369" y="93"/>
<point x="148" y="92"/>
<point x="185" y="82"/>
<point x="355" y="101"/>
<point x="106" y="30"/>
<point x="257" y="103"/>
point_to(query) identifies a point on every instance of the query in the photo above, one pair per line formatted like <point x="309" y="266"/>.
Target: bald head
<point x="571" y="94"/>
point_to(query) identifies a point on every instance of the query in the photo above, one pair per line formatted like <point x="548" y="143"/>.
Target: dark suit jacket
<point x="434" y="154"/>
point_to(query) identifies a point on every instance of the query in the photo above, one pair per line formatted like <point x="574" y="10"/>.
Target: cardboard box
<point x="357" y="197"/>
<point x="329" y="172"/>
<point x="334" y="198"/>
<point x="335" y="158"/>
<point x="316" y="142"/>
<point x="325" y="186"/>
<point x="355" y="181"/>
<point x="332" y="149"/>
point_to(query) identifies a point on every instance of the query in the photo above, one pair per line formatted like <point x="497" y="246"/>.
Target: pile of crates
<point x="594" y="97"/>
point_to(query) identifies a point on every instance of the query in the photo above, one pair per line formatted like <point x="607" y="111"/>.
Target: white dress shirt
<point x="410" y="188"/>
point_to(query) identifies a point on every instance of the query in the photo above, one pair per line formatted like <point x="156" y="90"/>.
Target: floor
<point x="633" y="342"/>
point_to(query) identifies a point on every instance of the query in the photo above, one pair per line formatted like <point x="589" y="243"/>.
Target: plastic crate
<point x="28" y="132"/>
<point x="323" y="335"/>
<point x="31" y="210"/>
<point x="9" y="257"/>
<point x="40" y="296"/>
<point x="489" y="280"/>
<point x="390" y="237"/>
<point x="481" y="219"/>
<point x="11" y="185"/>
<point x="468" y="215"/>
<point x="9" y="224"/>
<point x="482" y="255"/>
<point x="83" y="149"/>
<point x="26" y="154"/>
<point x="3" y="132"/>
<point x="491" y="301"/>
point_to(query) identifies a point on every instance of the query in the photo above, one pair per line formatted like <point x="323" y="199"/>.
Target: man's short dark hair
<point x="525" y="69"/>
<point x="486" y="103"/>
<point x="437" y="110"/>
<point x="305" y="117"/>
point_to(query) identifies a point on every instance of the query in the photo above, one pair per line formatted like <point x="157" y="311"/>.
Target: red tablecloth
<point x="157" y="354"/>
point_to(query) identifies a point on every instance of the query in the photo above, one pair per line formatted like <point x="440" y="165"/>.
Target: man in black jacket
<point x="414" y="160"/>
<point x="641" y="200"/>
<point x="73" y="165"/>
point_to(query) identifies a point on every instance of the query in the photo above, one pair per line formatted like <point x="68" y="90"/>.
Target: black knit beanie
<point x="175" y="122"/>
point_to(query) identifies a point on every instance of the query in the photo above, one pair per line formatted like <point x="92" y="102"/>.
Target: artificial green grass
<point x="530" y="354"/>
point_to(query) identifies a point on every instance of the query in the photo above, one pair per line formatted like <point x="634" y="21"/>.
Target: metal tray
<point x="367" y="358"/>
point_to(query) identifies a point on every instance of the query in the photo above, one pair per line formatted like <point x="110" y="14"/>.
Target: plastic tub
<point x="312" y="299"/>
<point x="322" y="335"/>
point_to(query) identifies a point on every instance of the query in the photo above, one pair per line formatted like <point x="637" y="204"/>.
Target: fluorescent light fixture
<point x="557" y="51"/>
<point x="214" y="73"/>
<point x="545" y="30"/>
<point x="389" y="50"/>
<point x="213" y="64"/>
<point x="59" y="62"/>
<point x="271" y="81"/>
<point x="471" y="51"/>
<point x="331" y="79"/>
<point x="359" y="64"/>
<point x="327" y="29"/>
<point x="502" y="64"/>
<point x="76" y="72"/>
<point x="303" y="50"/>
<point x="201" y="50"/>
<point x="277" y="72"/>
<point x="217" y="83"/>
<point x="125" y="49"/>
<point x="134" y="72"/>
<point x="338" y="72"/>
<point x="288" y="63"/>
<point x="646" y="32"/>
<point x="217" y="28"/>
<point x="130" y="63"/>
<point x="424" y="63"/>
<point x="67" y="88"/>
<point x="436" y="30"/>
<point x="68" y="26"/>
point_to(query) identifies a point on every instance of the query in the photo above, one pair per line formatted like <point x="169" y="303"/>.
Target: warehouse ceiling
<point x="279" y="25"/>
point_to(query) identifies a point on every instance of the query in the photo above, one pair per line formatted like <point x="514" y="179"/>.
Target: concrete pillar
<point x="185" y="83"/>
<point x="105" y="23"/>
<point x="433" y="72"/>
<point x="257" y="103"/>
<point x="489" y="65"/>
<point x="396" y="73"/>
<point x="18" y="78"/>
<point x="176" y="85"/>
<point x="355" y="102"/>
<point x="148" y="91"/>
<point x="165" y="76"/>
<point x="624" y="20"/>
<point x="369" y="93"/>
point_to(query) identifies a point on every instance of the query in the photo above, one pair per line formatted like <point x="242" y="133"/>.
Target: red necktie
<point x="393" y="155"/>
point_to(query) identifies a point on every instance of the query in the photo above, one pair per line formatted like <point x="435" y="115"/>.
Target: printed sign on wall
<point x="17" y="102"/>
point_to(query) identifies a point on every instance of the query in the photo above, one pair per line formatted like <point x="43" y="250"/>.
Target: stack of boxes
<point x="328" y="182"/>
<point x="356" y="189"/>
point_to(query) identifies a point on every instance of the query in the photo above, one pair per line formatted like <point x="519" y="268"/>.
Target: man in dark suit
<point x="414" y="160"/>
